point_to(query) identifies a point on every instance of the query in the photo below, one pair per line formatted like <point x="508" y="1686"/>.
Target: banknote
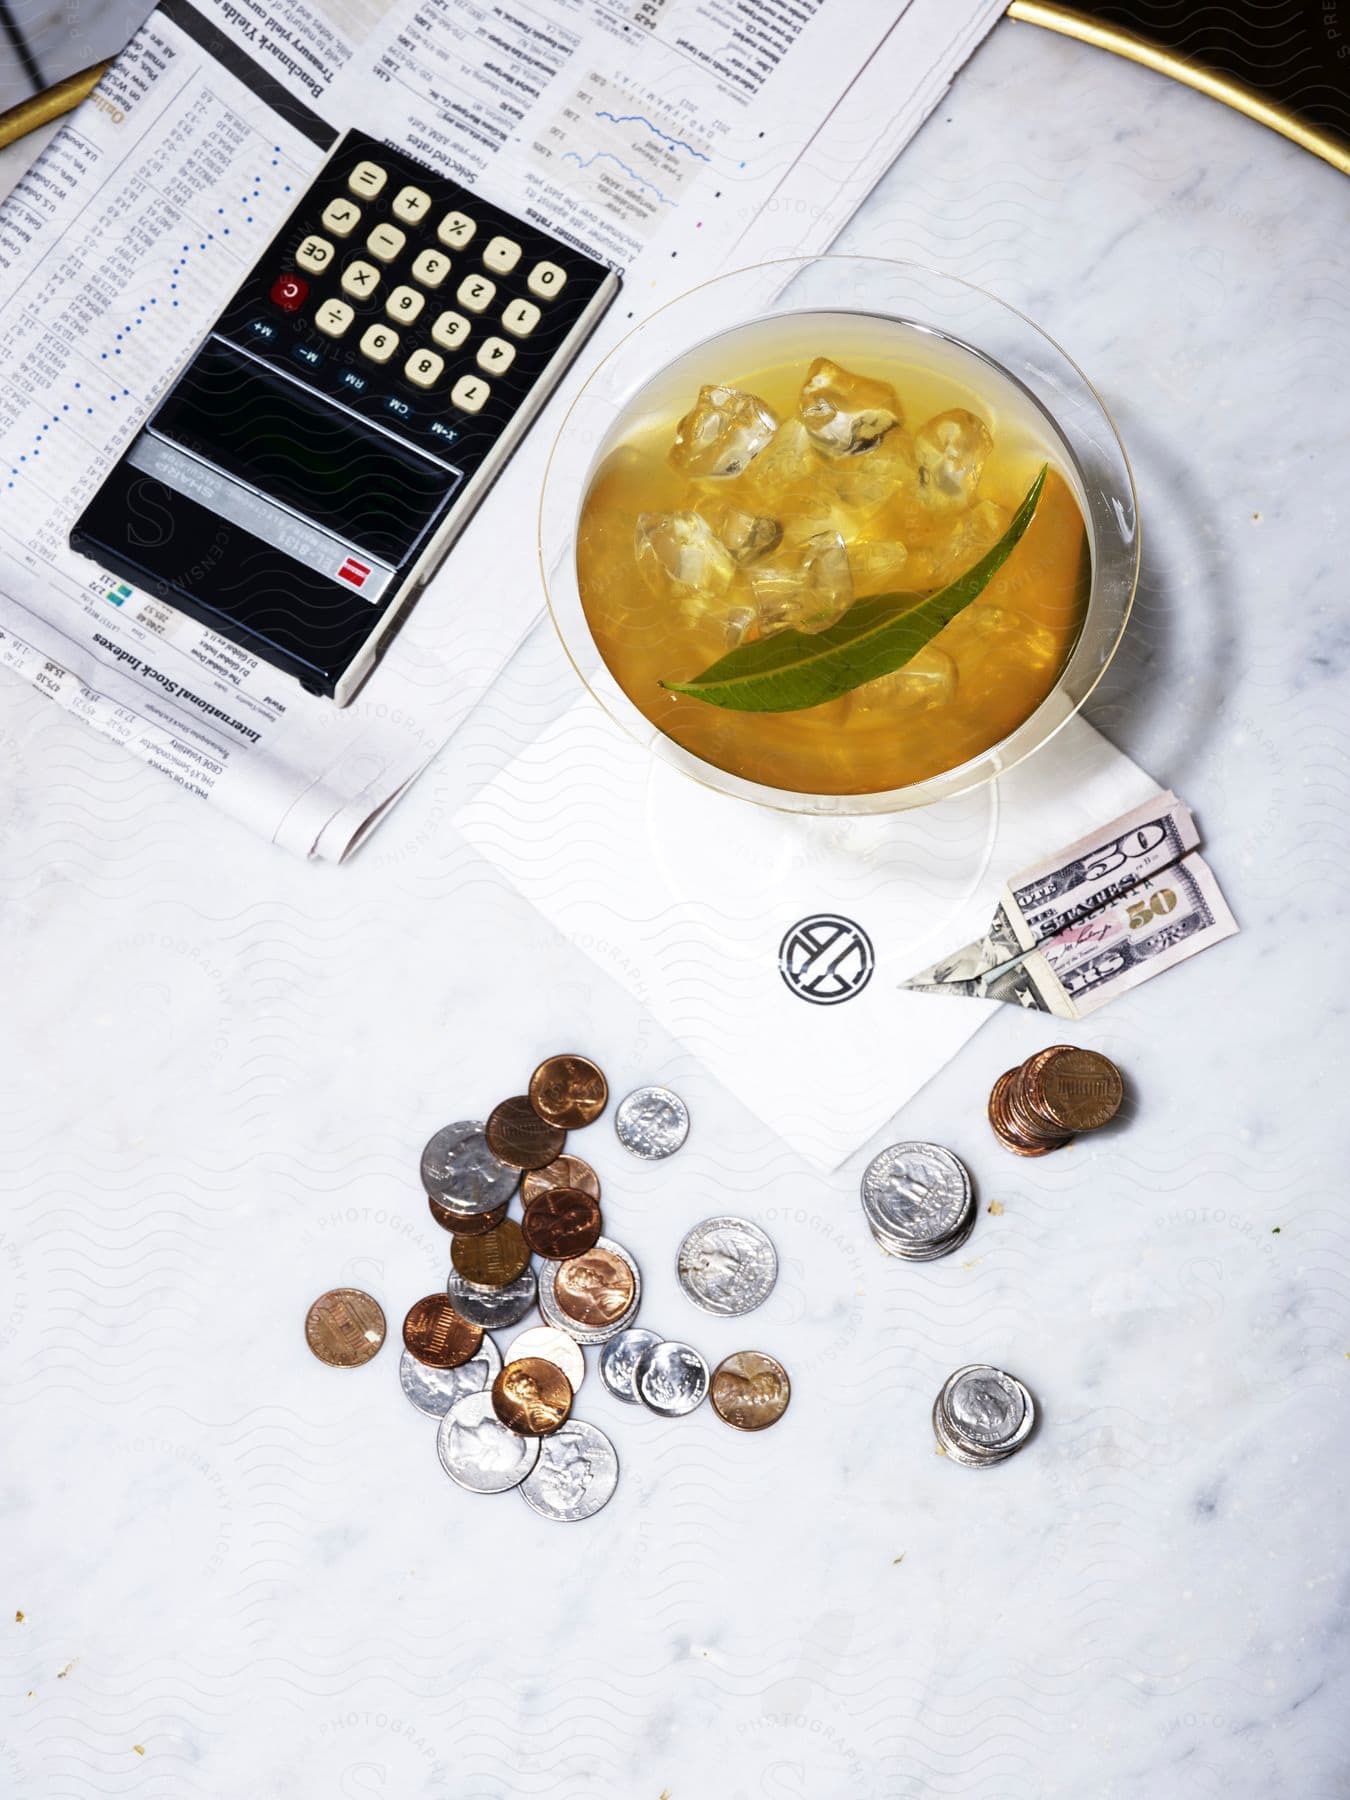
<point x="1095" y="919"/>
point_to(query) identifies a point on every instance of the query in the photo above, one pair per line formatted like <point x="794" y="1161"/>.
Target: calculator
<point x="310" y="467"/>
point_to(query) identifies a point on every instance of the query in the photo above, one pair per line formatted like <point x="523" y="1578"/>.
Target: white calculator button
<point x="521" y="317"/>
<point x="360" y="280"/>
<point x="367" y="178"/>
<point x="476" y="292"/>
<point x="410" y="205"/>
<point x="341" y="217"/>
<point x="455" y="229"/>
<point x="495" y="355"/>
<point x="501" y="255"/>
<point x="314" y="254"/>
<point x="470" y="393"/>
<point x="546" y="279"/>
<point x="333" y="317"/>
<point x="450" y="330"/>
<point x="379" y="343"/>
<point x="404" y="304"/>
<point x="386" y="241"/>
<point x="431" y="268"/>
<point x="423" y="368"/>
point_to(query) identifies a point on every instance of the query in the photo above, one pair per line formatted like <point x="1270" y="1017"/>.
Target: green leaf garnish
<point x="796" y="669"/>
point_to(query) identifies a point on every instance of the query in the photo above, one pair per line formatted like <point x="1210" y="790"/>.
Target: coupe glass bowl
<point x="770" y="294"/>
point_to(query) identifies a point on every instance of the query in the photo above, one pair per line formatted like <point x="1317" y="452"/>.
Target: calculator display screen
<point x="344" y="475"/>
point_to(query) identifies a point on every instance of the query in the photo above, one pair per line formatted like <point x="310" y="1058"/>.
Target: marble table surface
<point x="230" y="1571"/>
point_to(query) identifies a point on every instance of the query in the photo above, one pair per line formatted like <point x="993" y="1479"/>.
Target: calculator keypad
<point x="455" y="230"/>
<point x="379" y="342"/>
<point x="333" y="318"/>
<point x="367" y="179"/>
<point x="476" y="293"/>
<point x="360" y="279"/>
<point x="450" y="330"/>
<point x="314" y="254"/>
<point x="385" y="242"/>
<point x="411" y="205"/>
<point x="341" y="217"/>
<point x="431" y="268"/>
<point x="404" y="304"/>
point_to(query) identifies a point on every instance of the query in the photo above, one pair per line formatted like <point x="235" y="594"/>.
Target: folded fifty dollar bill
<point x="1095" y="919"/>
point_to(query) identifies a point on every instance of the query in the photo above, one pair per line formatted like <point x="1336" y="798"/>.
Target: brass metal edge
<point x="51" y="103"/>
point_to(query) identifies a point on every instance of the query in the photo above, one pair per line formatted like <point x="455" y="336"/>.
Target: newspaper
<point x="672" y="138"/>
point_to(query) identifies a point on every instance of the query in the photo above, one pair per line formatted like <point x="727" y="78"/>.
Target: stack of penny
<point x="1053" y="1097"/>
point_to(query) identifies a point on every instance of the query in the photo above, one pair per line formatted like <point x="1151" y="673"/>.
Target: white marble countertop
<point x="241" y="1573"/>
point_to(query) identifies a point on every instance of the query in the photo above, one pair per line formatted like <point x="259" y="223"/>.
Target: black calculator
<point x="328" y="440"/>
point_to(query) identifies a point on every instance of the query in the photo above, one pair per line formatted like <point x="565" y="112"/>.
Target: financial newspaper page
<point x="670" y="137"/>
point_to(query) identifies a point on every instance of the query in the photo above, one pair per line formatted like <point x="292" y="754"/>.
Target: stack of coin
<point x="982" y="1415"/>
<point x="918" y="1201"/>
<point x="1052" y="1097"/>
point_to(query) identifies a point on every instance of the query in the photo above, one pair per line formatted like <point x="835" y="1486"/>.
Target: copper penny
<point x="563" y="1171"/>
<point x="532" y="1396"/>
<point x="344" y="1328"/>
<point x="1025" y="1120"/>
<point x="466" y="1224"/>
<point x="438" y="1335"/>
<point x="750" y="1390"/>
<point x="569" y="1091"/>
<point x="494" y="1260"/>
<point x="517" y="1136"/>
<point x="595" y="1288"/>
<point x="1077" y="1090"/>
<point x="1004" y="1129"/>
<point x="561" y="1223"/>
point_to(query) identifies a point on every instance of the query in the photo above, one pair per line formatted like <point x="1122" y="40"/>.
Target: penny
<point x="1076" y="1090"/>
<point x="549" y="1273"/>
<point x="479" y="1452"/>
<point x="619" y="1360"/>
<point x="435" y="1391"/>
<point x="460" y="1171"/>
<point x="564" y="1172"/>
<point x="438" y="1334"/>
<point x="561" y="1223"/>
<point x="652" y="1122"/>
<point x="493" y="1308"/>
<point x="344" y="1328"/>
<point x="494" y="1260"/>
<point x="466" y="1224"/>
<point x="750" y="1390"/>
<point x="532" y="1396"/>
<point x="727" y="1266"/>
<point x="1024" y="1118"/>
<point x="672" y="1379"/>
<point x="576" y="1474"/>
<point x="518" y="1136"/>
<point x="595" y="1288"/>
<point x="568" y="1091"/>
<point x="1002" y="1125"/>
<point x="554" y="1346"/>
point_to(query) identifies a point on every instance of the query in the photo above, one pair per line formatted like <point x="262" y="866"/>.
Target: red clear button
<point x="289" y="292"/>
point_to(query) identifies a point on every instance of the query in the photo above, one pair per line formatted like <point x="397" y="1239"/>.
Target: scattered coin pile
<point x="982" y="1416"/>
<point x="1052" y="1097"/>
<point x="918" y="1201"/>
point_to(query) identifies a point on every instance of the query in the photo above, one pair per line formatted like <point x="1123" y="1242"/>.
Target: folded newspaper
<point x="672" y="138"/>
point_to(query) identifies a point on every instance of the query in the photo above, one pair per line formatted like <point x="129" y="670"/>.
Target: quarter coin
<point x="619" y="1360"/>
<point x="439" y="1335"/>
<point x="554" y="1346"/>
<point x="344" y="1328"/>
<point x="564" y="1171"/>
<point x="561" y="1223"/>
<point x="479" y="1452"/>
<point x="568" y="1091"/>
<point x="532" y="1396"/>
<point x="576" y="1474"/>
<point x="493" y="1308"/>
<point x="672" y="1379"/>
<point x="494" y="1260"/>
<point x="916" y="1193"/>
<point x="727" y="1266"/>
<point x="460" y="1171"/>
<point x="750" y="1390"/>
<point x="435" y="1391"/>
<point x="518" y="1136"/>
<point x="652" y="1122"/>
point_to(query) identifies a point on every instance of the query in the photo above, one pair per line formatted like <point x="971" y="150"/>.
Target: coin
<point x="344" y="1328"/>
<point x="494" y="1308"/>
<point x="549" y="1273"/>
<point x="595" y="1288"/>
<point x="518" y="1136"/>
<point x="494" y="1260"/>
<point x="461" y="1172"/>
<point x="561" y="1223"/>
<point x="652" y="1122"/>
<point x="438" y="1334"/>
<point x="1075" y="1090"/>
<point x="916" y="1194"/>
<point x="479" y="1452"/>
<point x="576" y="1474"/>
<point x="619" y="1360"/>
<point x="982" y="1415"/>
<point x="466" y="1224"/>
<point x="563" y="1171"/>
<point x="435" y="1391"/>
<point x="1004" y="1129"/>
<point x="532" y="1396"/>
<point x="750" y="1390"/>
<point x="554" y="1346"/>
<point x="568" y="1091"/>
<point x="672" y="1379"/>
<point x="727" y="1266"/>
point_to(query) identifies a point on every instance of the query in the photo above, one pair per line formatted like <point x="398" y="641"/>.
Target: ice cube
<point x="944" y="558"/>
<point x="737" y="624"/>
<point x="886" y="474"/>
<point x="879" y="567"/>
<point x="845" y="413"/>
<point x="986" y="638"/>
<point x="783" y="469"/>
<point x="745" y="534"/>
<point x="951" y="448"/>
<point x="722" y="432"/>
<point x="683" y="548"/>
<point x="928" y="679"/>
<point x="805" y="586"/>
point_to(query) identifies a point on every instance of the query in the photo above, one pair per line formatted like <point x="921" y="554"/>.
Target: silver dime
<point x="982" y="1415"/>
<point x="652" y="1122"/>
<point x="435" y="1391"/>
<point x="727" y="1266"/>
<point x="575" y="1476"/>
<point x="479" y="1452"/>
<point x="672" y="1379"/>
<point x="588" y="1334"/>
<point x="461" y="1172"/>
<point x="619" y="1360"/>
<point x="495" y="1309"/>
<point x="554" y="1346"/>
<point x="916" y="1196"/>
